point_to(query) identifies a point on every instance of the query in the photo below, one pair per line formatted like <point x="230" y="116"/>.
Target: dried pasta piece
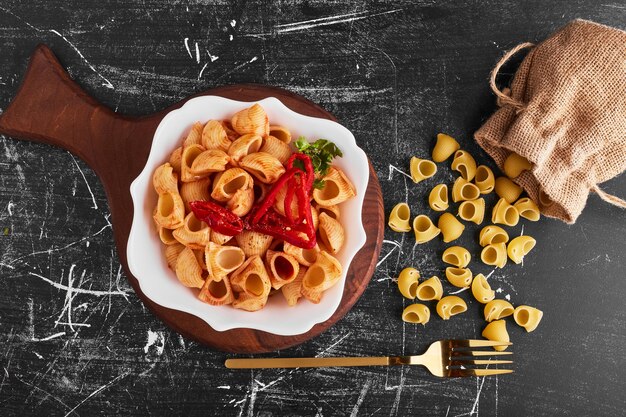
<point x="408" y="281"/>
<point x="170" y="211"/>
<point x="332" y="211"/>
<point x="504" y="213"/>
<point x="416" y="313"/>
<point x="507" y="189"/>
<point x="241" y="202"/>
<point x="222" y="260"/>
<point x="194" y="137"/>
<point x="243" y="146"/>
<point x="457" y="256"/>
<point x="321" y="275"/>
<point x="424" y="229"/>
<point x="431" y="289"/>
<point x="496" y="331"/>
<point x="484" y="179"/>
<point x="176" y="159"/>
<point x="171" y="254"/>
<point x="459" y="277"/>
<point x="252" y="278"/>
<point x="164" y="179"/>
<point x="514" y="164"/>
<point x="331" y="233"/>
<point x="438" y="197"/>
<point x="283" y="268"/>
<point x="444" y="148"/>
<point x="217" y="293"/>
<point x="337" y="189"/>
<point x="544" y="199"/>
<point x="265" y="167"/>
<point x="450" y="227"/>
<point x="497" y="309"/>
<point x="527" y="317"/>
<point x="199" y="190"/>
<point x="422" y="169"/>
<point x="251" y="120"/>
<point x="188" y="271"/>
<point x="527" y="209"/>
<point x="193" y="233"/>
<point x="465" y="164"/>
<point x="276" y="147"/>
<point x="399" y="218"/>
<point x="167" y="236"/>
<point x="492" y="234"/>
<point x="463" y="190"/>
<point x="253" y="243"/>
<point x="482" y="290"/>
<point x="519" y="247"/>
<point x="293" y="291"/>
<point x="304" y="257"/>
<point x="281" y="133"/>
<point x="214" y="136"/>
<point x="472" y="210"/>
<point x="449" y="306"/>
<point x="494" y="254"/>
<point x="226" y="183"/>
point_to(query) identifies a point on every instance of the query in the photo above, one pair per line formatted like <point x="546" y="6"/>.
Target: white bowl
<point x="145" y="251"/>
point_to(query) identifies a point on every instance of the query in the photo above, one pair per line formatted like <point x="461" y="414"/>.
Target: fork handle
<point x="313" y="362"/>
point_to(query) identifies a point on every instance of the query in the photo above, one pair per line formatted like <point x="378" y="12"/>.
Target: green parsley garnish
<point x="322" y="152"/>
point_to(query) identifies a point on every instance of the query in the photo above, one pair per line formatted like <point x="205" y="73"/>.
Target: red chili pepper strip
<point x="308" y="166"/>
<point x="217" y="217"/>
<point x="270" y="198"/>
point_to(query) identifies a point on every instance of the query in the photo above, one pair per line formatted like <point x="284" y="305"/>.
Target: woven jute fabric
<point x="565" y="112"/>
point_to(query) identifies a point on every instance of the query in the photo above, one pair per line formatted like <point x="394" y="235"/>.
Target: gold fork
<point x="445" y="358"/>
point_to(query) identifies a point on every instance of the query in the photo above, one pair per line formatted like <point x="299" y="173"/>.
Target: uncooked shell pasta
<point x="424" y="229"/>
<point x="459" y="277"/>
<point x="519" y="247"/>
<point x="494" y="254"/>
<point x="481" y="290"/>
<point x="449" y="306"/>
<point x="527" y="317"/>
<point x="408" y="282"/>
<point x="492" y="234"/>
<point x="497" y="309"/>
<point x="484" y="179"/>
<point x="450" y="227"/>
<point x="504" y="213"/>
<point x="431" y="289"/>
<point x="438" y="197"/>
<point x="399" y="218"/>
<point x="422" y="169"/>
<point x="507" y="189"/>
<point x="514" y="164"/>
<point x="444" y="148"/>
<point x="496" y="331"/>
<point x="472" y="210"/>
<point x="416" y="313"/>
<point x="463" y="190"/>
<point x="465" y="164"/>
<point x="457" y="256"/>
<point x="527" y="209"/>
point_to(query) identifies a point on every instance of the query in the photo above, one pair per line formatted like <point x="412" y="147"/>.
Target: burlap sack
<point x="566" y="113"/>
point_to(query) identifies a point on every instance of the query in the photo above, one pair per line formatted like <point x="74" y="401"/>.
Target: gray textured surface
<point x="74" y="339"/>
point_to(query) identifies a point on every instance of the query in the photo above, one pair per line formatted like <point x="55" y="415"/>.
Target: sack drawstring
<point x="609" y="198"/>
<point x="504" y="97"/>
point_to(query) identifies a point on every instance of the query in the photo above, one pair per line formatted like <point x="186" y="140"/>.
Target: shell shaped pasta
<point x="492" y="234"/>
<point x="457" y="256"/>
<point x="241" y="202"/>
<point x="230" y="132"/>
<point x="219" y="238"/>
<point x="544" y="199"/>
<point x="438" y="197"/>
<point x="507" y="189"/>
<point x="293" y="291"/>
<point x="315" y="217"/>
<point x="444" y="148"/>
<point x="472" y="210"/>
<point x="459" y="277"/>
<point x="214" y="136"/>
<point x="189" y="155"/>
<point x="322" y="274"/>
<point x="484" y="179"/>
<point x="244" y="145"/>
<point x="188" y="271"/>
<point x="463" y="190"/>
<point x="281" y="133"/>
<point x="222" y="260"/>
<point x="332" y="211"/>
<point x="497" y="309"/>
<point x="171" y="254"/>
<point x="408" y="281"/>
<point x="170" y="211"/>
<point x="494" y="254"/>
<point x="431" y="289"/>
<point x="283" y="268"/>
<point x="209" y="161"/>
<point x="465" y="164"/>
<point x="265" y="167"/>
<point x="451" y="228"/>
<point x="195" y="191"/>
<point x="331" y="233"/>
<point x="176" y="159"/>
<point x="481" y="290"/>
<point x="527" y="209"/>
<point x="399" y="218"/>
<point x="422" y="169"/>
<point x="193" y="233"/>
<point x="449" y="306"/>
<point x="416" y="313"/>
<point x="167" y="236"/>
<point x="217" y="293"/>
<point x="519" y="247"/>
<point x="253" y="243"/>
<point x="337" y="189"/>
<point x="514" y="164"/>
<point x="504" y="213"/>
<point x="496" y="331"/>
<point x="279" y="203"/>
<point x="248" y="303"/>
<point x="164" y="179"/>
<point x="227" y="183"/>
<point x="199" y="254"/>
<point x="304" y="257"/>
<point x="527" y="317"/>
<point x="424" y="229"/>
<point x="251" y="120"/>
<point x="277" y="148"/>
<point x="194" y="137"/>
<point x="252" y="278"/>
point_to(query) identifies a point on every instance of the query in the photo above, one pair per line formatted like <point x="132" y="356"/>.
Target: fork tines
<point x="465" y="354"/>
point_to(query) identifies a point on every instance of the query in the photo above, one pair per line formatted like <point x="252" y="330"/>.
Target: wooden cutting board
<point x="51" y="108"/>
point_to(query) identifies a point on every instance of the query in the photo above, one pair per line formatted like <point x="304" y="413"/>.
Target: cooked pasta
<point x="322" y="274"/>
<point x="331" y="233"/>
<point x="399" y="218"/>
<point x="227" y="183"/>
<point x="457" y="256"/>
<point x="222" y="260"/>
<point x="497" y="309"/>
<point x="416" y="313"/>
<point x="199" y="190"/>
<point x="304" y="256"/>
<point x="431" y="289"/>
<point x="519" y="247"/>
<point x="463" y="190"/>
<point x="251" y="120"/>
<point x="214" y="136"/>
<point x="337" y="189"/>
<point x="507" y="189"/>
<point x="332" y="211"/>
<point x="444" y="148"/>
<point x="408" y="282"/>
<point x="252" y="278"/>
<point x="188" y="271"/>
<point x="504" y="213"/>
<point x="527" y="209"/>
<point x="422" y="169"/>
<point x="449" y="306"/>
<point x="217" y="293"/>
<point x="496" y="331"/>
<point x="450" y="227"/>
<point x="472" y="210"/>
<point x="241" y="202"/>
<point x="244" y="146"/>
<point x="424" y="229"/>
<point x="194" y="137"/>
<point x="167" y="236"/>
<point x="438" y="197"/>
<point x="459" y="277"/>
<point x="283" y="268"/>
<point x="276" y="147"/>
<point x="465" y="164"/>
<point x="281" y="133"/>
<point x="481" y="290"/>
<point x="193" y="233"/>
<point x="293" y="290"/>
<point x="492" y="234"/>
<point x="176" y="159"/>
<point x="165" y="180"/>
<point x="514" y="164"/>
<point x="253" y="243"/>
<point x="484" y="179"/>
<point x="265" y="167"/>
<point x="171" y="254"/>
<point x="494" y="254"/>
<point x="170" y="211"/>
<point x="527" y="317"/>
